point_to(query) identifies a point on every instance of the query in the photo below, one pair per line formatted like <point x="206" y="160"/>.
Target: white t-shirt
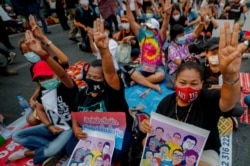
<point x="113" y="45"/>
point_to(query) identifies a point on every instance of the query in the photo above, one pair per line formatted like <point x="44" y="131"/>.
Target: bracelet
<point x="49" y="43"/>
<point x="231" y="83"/>
<point x="48" y="125"/>
<point x="46" y="56"/>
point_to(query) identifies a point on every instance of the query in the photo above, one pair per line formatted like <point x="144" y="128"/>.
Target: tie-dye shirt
<point x="151" y="47"/>
<point x="176" y="51"/>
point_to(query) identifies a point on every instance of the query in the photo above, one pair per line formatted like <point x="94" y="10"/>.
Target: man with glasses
<point x="177" y="157"/>
<point x="188" y="143"/>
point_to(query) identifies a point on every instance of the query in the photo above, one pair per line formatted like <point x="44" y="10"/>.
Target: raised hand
<point x="100" y="39"/>
<point x="33" y="44"/>
<point x="230" y="51"/>
<point x="36" y="30"/>
<point x="168" y="6"/>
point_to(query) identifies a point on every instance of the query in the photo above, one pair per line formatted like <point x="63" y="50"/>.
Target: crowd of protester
<point x="149" y="42"/>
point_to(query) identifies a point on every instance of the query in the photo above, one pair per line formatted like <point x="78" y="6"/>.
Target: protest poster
<point x="96" y="149"/>
<point x="173" y="143"/>
<point x="107" y="122"/>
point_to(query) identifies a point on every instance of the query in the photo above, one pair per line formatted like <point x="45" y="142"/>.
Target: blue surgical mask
<point x="50" y="84"/>
<point x="181" y="40"/>
<point x="149" y="15"/>
<point x="32" y="57"/>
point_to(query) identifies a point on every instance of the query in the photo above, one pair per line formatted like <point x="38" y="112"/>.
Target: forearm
<point x="214" y="22"/>
<point x="42" y="115"/>
<point x="134" y="26"/>
<point x="197" y="30"/>
<point x="230" y="91"/>
<point x="110" y="74"/>
<point x="196" y="21"/>
<point x="62" y="58"/>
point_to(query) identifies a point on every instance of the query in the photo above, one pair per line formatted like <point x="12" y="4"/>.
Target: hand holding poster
<point x="107" y="122"/>
<point x="96" y="149"/>
<point x="173" y="143"/>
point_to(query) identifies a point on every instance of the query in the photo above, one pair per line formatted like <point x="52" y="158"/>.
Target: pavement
<point x="22" y="84"/>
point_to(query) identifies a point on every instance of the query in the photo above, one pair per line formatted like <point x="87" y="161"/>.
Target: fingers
<point x="234" y="41"/>
<point x="222" y="42"/>
<point x="228" y="33"/>
<point x="145" y="126"/>
<point x="32" y="20"/>
<point x="101" y="24"/>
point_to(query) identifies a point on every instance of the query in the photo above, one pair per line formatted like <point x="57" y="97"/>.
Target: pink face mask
<point x="187" y="95"/>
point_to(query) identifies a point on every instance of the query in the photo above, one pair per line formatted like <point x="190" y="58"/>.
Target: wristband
<point x="46" y="56"/>
<point x="49" y="43"/>
<point x="231" y="83"/>
<point x="48" y="125"/>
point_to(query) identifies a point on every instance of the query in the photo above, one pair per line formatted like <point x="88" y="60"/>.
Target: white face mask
<point x="125" y="25"/>
<point x="207" y="19"/>
<point x="106" y="33"/>
<point x="84" y="2"/>
<point x="176" y="17"/>
<point x="213" y="59"/>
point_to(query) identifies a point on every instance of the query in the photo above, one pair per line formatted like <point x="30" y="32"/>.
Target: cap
<point x="124" y="18"/>
<point x="41" y="69"/>
<point x="212" y="43"/>
<point x="153" y="24"/>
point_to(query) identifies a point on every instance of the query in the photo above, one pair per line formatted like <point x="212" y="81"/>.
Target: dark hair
<point x="108" y="27"/>
<point x="106" y="143"/>
<point x="165" y="145"/>
<point x="159" y="128"/>
<point x="106" y="156"/>
<point x="177" y="134"/>
<point x="192" y="153"/>
<point x="190" y="65"/>
<point x="176" y="30"/>
<point x="175" y="6"/>
<point x="95" y="63"/>
<point x="189" y="137"/>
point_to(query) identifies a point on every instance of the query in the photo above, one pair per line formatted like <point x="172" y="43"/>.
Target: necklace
<point x="176" y="113"/>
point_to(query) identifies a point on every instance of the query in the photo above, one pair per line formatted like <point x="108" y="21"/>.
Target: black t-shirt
<point x="85" y="17"/>
<point x="65" y="100"/>
<point x="207" y="31"/>
<point x="71" y="3"/>
<point x="235" y="12"/>
<point x="205" y="113"/>
<point x="110" y="100"/>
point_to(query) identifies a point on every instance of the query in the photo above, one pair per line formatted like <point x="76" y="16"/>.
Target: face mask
<point x="50" y="84"/>
<point x="187" y="95"/>
<point x="84" y="2"/>
<point x="181" y="40"/>
<point x="207" y="19"/>
<point x="176" y="17"/>
<point x="106" y="33"/>
<point x="32" y="57"/>
<point x="213" y="59"/>
<point x="94" y="86"/>
<point x="149" y="15"/>
<point x="125" y="25"/>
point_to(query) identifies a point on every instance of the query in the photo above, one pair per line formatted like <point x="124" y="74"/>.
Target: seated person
<point x="45" y="141"/>
<point x="212" y="75"/>
<point x="177" y="16"/>
<point x="206" y="106"/>
<point x="234" y="10"/>
<point x="126" y="35"/>
<point x="178" y="48"/>
<point x="33" y="58"/>
<point x="151" y="40"/>
<point x="105" y="90"/>
<point x="112" y="45"/>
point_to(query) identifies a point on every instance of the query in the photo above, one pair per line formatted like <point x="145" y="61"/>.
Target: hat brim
<point x="213" y="47"/>
<point x="42" y="74"/>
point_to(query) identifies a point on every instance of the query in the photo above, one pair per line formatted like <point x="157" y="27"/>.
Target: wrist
<point x="48" y="125"/>
<point x="231" y="80"/>
<point x="45" y="56"/>
<point x="48" y="43"/>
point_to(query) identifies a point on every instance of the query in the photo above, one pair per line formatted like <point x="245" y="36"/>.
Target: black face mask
<point x="95" y="86"/>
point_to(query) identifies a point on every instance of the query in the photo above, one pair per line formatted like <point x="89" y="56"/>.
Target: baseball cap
<point x="124" y="18"/>
<point x="212" y="43"/>
<point x="41" y="69"/>
<point x="153" y="24"/>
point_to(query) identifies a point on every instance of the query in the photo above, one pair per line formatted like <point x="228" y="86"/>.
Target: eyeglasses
<point x="180" y="156"/>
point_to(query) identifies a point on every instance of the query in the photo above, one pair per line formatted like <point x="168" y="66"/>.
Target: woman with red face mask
<point x="202" y="108"/>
